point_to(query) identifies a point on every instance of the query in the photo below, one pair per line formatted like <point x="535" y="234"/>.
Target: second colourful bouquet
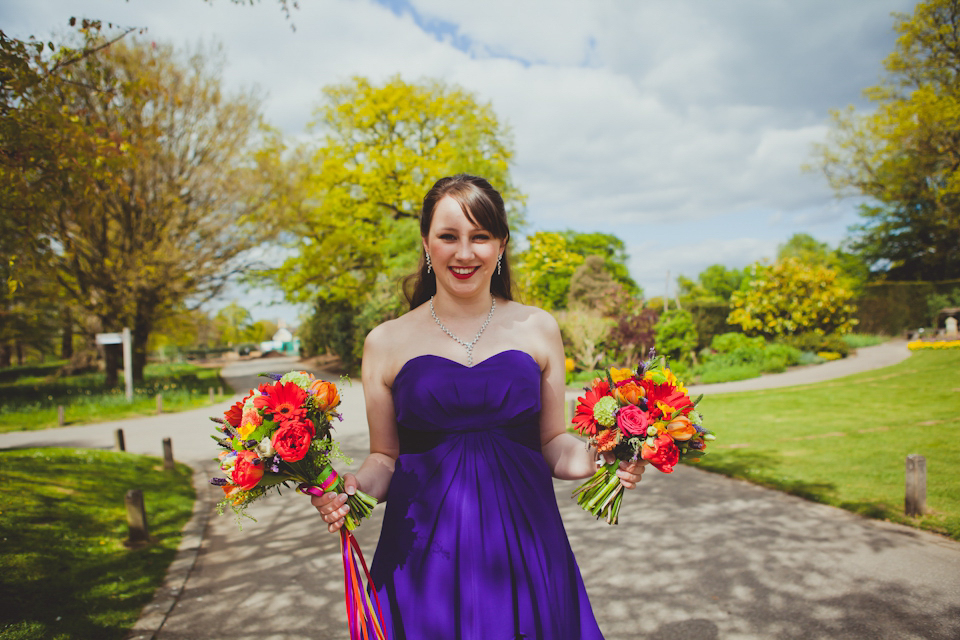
<point x="643" y="414"/>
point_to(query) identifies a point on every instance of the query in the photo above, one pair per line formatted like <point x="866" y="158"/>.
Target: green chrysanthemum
<point x="301" y="378"/>
<point x="603" y="411"/>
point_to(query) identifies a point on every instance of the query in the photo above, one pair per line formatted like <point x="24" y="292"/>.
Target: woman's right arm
<point x="375" y="473"/>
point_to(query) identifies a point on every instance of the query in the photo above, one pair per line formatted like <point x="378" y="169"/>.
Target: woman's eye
<point x="447" y="236"/>
<point x="482" y="237"/>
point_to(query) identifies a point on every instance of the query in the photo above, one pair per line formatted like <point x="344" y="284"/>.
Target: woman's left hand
<point x="629" y="472"/>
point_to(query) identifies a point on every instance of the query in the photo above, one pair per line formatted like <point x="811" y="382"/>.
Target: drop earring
<point x="499" y="258"/>
<point x="429" y="264"/>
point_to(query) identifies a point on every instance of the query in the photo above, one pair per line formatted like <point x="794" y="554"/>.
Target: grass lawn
<point x="65" y="572"/>
<point x="29" y="396"/>
<point x="844" y="442"/>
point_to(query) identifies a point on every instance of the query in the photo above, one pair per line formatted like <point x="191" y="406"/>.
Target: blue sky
<point x="679" y="125"/>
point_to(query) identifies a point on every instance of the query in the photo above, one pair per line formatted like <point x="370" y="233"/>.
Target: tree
<point x="592" y="287"/>
<point x="810" y="251"/>
<point x="676" y="335"/>
<point x="714" y="285"/>
<point x="362" y="181"/>
<point x="40" y="145"/>
<point x="610" y="248"/>
<point x="544" y="270"/>
<point x="348" y="201"/>
<point x="790" y="298"/>
<point x="234" y="323"/>
<point x="904" y="156"/>
<point x="141" y="204"/>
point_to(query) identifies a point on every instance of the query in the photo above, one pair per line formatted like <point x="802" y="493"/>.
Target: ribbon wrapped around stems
<point x="364" y="615"/>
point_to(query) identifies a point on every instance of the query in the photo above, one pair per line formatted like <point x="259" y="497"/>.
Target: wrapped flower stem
<point x="602" y="493"/>
<point x="361" y="504"/>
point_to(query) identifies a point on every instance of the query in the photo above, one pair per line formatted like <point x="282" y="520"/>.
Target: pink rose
<point x="633" y="421"/>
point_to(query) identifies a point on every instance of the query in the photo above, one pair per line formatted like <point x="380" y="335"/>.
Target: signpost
<point x="124" y="339"/>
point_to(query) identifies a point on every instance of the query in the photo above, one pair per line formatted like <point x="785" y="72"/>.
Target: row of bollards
<point x="214" y="393"/>
<point x="138" y="530"/>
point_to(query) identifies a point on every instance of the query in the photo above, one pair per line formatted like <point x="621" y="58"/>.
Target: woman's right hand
<point x="332" y="506"/>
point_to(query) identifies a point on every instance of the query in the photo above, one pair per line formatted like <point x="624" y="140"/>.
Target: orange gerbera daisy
<point x="583" y="420"/>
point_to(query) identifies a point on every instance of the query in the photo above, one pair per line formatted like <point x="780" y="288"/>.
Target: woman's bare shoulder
<point x="389" y="331"/>
<point x="533" y="317"/>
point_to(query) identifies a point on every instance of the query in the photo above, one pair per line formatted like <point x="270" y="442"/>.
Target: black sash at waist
<point x="422" y="440"/>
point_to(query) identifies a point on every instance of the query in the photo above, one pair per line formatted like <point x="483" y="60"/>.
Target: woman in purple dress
<point x="464" y="398"/>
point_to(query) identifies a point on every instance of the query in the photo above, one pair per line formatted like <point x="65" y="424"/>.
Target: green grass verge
<point x="30" y="400"/>
<point x="844" y="442"/>
<point x="65" y="572"/>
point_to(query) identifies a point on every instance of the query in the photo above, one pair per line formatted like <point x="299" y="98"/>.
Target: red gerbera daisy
<point x="284" y="401"/>
<point x="584" y="420"/>
<point x="668" y="395"/>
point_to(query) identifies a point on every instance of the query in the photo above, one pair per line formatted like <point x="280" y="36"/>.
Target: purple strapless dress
<point x="472" y="545"/>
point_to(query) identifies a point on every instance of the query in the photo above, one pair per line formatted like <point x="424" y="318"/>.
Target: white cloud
<point x="680" y="125"/>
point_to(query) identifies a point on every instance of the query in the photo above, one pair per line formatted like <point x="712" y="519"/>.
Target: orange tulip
<point x="325" y="393"/>
<point x="630" y="393"/>
<point x="680" y="428"/>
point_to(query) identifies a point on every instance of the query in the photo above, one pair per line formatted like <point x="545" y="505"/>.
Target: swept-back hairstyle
<point x="483" y="206"/>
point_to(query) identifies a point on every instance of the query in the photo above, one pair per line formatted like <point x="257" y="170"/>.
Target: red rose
<point x="248" y="470"/>
<point x="292" y="441"/>
<point x="633" y="420"/>
<point x="663" y="454"/>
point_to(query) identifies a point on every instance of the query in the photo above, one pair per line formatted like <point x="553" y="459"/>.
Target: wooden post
<point x="916" y="499"/>
<point x="167" y="454"/>
<point x="159" y="403"/>
<point x="573" y="411"/>
<point x="60" y="417"/>
<point x="211" y="395"/>
<point x="136" y="518"/>
<point x="118" y="442"/>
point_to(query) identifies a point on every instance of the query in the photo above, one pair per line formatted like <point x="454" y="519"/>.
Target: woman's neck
<point x="456" y="308"/>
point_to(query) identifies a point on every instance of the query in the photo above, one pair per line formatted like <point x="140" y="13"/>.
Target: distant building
<point x="283" y="341"/>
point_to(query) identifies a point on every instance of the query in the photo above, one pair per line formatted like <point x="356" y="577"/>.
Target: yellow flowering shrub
<point x="792" y="297"/>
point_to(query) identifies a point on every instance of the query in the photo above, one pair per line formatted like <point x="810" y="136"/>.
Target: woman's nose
<point x="464" y="250"/>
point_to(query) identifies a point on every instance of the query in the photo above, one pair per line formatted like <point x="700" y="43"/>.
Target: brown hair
<point x="483" y="206"/>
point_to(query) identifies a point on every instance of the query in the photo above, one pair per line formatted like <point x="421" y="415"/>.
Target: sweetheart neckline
<point x="460" y="364"/>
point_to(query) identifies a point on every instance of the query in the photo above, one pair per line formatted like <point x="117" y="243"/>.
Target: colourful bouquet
<point x="280" y="434"/>
<point x="643" y="414"/>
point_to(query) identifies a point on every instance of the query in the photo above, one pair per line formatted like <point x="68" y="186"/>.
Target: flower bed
<point x="933" y="344"/>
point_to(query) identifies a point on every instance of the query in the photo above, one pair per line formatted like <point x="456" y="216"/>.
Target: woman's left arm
<point x="567" y="455"/>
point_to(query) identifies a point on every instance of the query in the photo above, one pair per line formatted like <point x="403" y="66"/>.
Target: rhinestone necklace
<point x="466" y="345"/>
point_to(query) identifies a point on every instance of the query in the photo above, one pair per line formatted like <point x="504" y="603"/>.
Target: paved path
<point x="696" y="556"/>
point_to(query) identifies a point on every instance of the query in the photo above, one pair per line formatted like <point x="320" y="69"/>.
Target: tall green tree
<point x="904" y="155"/>
<point x="359" y="184"/>
<point x="347" y="202"/>
<point x="140" y="199"/>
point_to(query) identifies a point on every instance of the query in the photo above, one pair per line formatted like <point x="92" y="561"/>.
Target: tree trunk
<point x="113" y="361"/>
<point x="19" y="353"/>
<point x="5" y="353"/>
<point x="142" y="325"/>
<point x="66" y="338"/>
